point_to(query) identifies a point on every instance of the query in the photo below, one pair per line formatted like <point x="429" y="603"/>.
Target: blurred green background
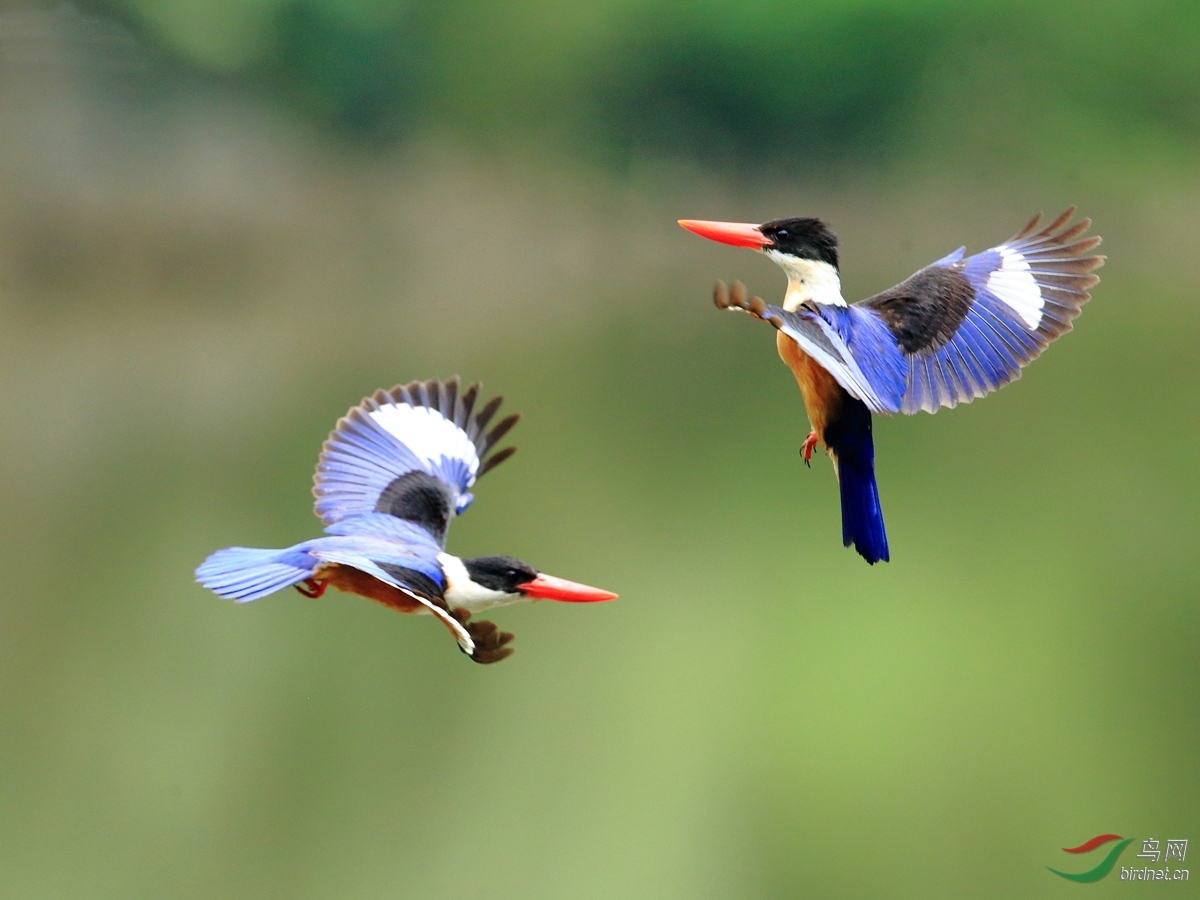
<point x="222" y="222"/>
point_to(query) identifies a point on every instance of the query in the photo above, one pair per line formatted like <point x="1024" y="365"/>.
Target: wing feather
<point x="369" y="564"/>
<point x="429" y="428"/>
<point x="1019" y="297"/>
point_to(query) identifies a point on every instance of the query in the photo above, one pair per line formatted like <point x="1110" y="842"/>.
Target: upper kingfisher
<point x="956" y="330"/>
<point x="394" y="472"/>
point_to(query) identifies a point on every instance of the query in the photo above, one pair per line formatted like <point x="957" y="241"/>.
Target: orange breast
<point x="821" y="392"/>
<point x="352" y="581"/>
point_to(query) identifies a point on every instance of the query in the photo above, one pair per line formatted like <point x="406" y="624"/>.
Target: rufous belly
<point x="353" y="581"/>
<point x="820" y="390"/>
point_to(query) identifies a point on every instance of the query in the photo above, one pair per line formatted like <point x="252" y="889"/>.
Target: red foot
<point x="807" y="448"/>
<point x="310" y="588"/>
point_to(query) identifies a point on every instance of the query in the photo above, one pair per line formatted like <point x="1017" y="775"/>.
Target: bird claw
<point x="737" y="297"/>
<point x="807" y="448"/>
<point x="489" y="641"/>
<point x="311" y="588"/>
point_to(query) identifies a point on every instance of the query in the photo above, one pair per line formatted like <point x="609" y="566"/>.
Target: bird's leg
<point x="311" y="588"/>
<point x="807" y="448"/>
<point x="489" y="641"/>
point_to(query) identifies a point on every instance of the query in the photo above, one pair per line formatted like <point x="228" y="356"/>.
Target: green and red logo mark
<point x="1106" y="864"/>
<point x="1176" y="849"/>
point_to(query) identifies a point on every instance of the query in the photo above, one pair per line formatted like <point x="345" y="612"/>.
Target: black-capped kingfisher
<point x="394" y="472"/>
<point x="956" y="330"/>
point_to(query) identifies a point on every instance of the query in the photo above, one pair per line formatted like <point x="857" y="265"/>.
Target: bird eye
<point x="781" y="234"/>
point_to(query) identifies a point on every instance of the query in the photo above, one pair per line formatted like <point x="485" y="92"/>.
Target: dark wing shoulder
<point x="968" y="326"/>
<point x="412" y="452"/>
<point x="924" y="311"/>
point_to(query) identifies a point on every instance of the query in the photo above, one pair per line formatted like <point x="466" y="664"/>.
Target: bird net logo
<point x="1157" y="852"/>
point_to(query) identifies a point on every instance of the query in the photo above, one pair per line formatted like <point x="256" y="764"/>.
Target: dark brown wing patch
<point x="925" y="311"/>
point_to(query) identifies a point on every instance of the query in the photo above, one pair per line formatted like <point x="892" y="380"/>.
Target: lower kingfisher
<point x="394" y="472"/>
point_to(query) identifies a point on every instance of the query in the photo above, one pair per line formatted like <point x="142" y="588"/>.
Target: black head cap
<point x="500" y="573"/>
<point x="802" y="238"/>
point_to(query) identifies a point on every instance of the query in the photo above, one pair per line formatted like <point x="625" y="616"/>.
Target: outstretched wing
<point x="412" y="452"/>
<point x="965" y="327"/>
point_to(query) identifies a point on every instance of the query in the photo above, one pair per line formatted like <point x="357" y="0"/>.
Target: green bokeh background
<point x="222" y="223"/>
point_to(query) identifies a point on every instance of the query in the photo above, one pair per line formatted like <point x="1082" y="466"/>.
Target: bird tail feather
<point x="862" y="516"/>
<point x="244" y="574"/>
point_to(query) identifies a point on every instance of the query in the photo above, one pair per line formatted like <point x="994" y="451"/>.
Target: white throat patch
<point x="808" y="279"/>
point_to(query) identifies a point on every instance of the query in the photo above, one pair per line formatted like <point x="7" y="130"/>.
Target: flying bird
<point x="956" y="330"/>
<point x="394" y="472"/>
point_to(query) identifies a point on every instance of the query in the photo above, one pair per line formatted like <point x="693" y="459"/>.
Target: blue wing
<point x="419" y="555"/>
<point x="412" y="452"/>
<point x="965" y="327"/>
<point x="380" y="558"/>
<point x="851" y="343"/>
<point x="383" y="525"/>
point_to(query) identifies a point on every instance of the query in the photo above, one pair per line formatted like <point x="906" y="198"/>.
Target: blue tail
<point x="244" y="574"/>
<point x="862" y="518"/>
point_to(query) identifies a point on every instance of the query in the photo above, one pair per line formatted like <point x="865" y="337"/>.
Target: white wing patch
<point x="1015" y="285"/>
<point x="427" y="433"/>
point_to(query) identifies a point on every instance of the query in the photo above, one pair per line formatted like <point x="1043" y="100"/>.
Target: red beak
<point x="547" y="587"/>
<point x="735" y="233"/>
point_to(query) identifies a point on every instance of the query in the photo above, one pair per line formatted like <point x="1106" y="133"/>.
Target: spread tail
<point x="244" y="574"/>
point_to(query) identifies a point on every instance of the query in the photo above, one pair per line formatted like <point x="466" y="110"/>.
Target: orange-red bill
<point x="547" y="587"/>
<point x="737" y="234"/>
